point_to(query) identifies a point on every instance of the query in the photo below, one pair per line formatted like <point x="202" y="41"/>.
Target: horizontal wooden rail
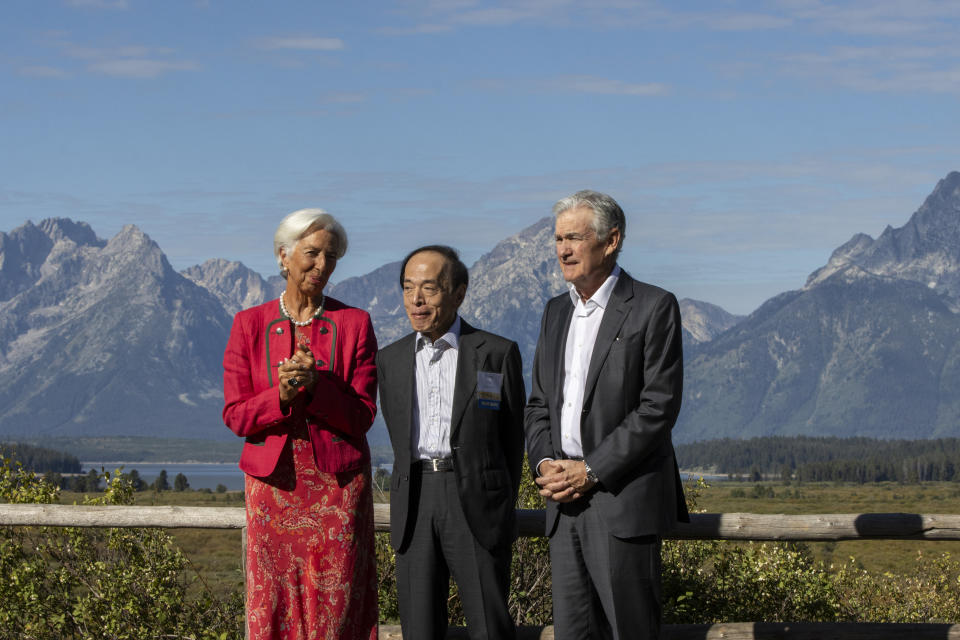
<point x="823" y="526"/>
<point x="703" y="526"/>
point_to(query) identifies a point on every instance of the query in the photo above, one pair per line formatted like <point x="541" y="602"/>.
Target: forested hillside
<point x="827" y="459"/>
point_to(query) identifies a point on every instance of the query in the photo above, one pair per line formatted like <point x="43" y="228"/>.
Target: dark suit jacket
<point x="487" y="444"/>
<point x="631" y="401"/>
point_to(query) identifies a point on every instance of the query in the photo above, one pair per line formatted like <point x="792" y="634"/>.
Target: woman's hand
<point x="297" y="372"/>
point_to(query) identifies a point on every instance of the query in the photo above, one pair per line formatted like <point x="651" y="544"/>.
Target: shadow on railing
<point x="703" y="526"/>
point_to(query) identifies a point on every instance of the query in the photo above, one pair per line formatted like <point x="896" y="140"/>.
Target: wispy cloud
<point x="301" y="43"/>
<point x="436" y="15"/>
<point x="885" y="18"/>
<point x="607" y="86"/>
<point x="744" y="22"/>
<point x="892" y="69"/>
<point x="571" y="84"/>
<point x="416" y="30"/>
<point x="101" y="53"/>
<point x="343" y="97"/>
<point x="41" y="71"/>
<point x="124" y="61"/>
<point x="140" y="68"/>
<point x="881" y="18"/>
<point x="97" y="4"/>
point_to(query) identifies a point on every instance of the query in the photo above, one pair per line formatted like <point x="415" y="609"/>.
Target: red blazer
<point x="343" y="404"/>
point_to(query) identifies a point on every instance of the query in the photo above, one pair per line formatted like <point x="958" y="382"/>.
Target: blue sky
<point x="744" y="140"/>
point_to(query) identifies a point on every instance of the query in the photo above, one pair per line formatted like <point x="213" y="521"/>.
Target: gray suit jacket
<point x="487" y="444"/>
<point x="631" y="401"/>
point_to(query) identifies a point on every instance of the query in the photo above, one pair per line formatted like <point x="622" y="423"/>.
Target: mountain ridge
<point x="105" y="337"/>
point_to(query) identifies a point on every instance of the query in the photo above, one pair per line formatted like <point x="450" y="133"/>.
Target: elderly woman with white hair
<point x="300" y="386"/>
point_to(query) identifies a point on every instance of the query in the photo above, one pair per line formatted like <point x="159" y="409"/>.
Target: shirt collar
<point x="602" y="295"/>
<point x="451" y="337"/>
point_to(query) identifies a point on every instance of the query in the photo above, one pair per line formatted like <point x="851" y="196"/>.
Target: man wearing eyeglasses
<point x="453" y="399"/>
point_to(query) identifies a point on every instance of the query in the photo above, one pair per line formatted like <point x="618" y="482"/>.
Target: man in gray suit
<point x="606" y="387"/>
<point x="453" y="399"/>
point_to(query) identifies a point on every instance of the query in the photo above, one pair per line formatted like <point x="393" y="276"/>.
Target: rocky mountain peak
<point x="925" y="250"/>
<point x="379" y="293"/>
<point x="510" y="285"/>
<point x="25" y="253"/>
<point x="235" y="286"/>
<point x="132" y="253"/>
<point x="134" y="347"/>
<point x="703" y="321"/>
<point x="66" y="229"/>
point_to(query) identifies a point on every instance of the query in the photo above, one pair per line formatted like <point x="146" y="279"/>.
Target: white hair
<point x="302" y="222"/>
<point x="607" y="214"/>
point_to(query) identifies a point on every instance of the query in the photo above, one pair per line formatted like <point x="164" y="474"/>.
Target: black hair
<point x="454" y="269"/>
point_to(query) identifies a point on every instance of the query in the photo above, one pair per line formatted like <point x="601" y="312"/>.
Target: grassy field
<point x="216" y="554"/>
<point x="873" y="555"/>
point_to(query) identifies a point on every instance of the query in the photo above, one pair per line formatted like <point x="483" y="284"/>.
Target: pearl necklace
<point x="301" y="323"/>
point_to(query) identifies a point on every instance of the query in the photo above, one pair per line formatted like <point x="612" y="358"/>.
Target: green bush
<point x="135" y="583"/>
<point x="722" y="581"/>
<point x="719" y="581"/>
<point x="100" y="583"/>
<point x="930" y="594"/>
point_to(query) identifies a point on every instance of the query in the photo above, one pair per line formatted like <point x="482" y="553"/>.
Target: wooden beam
<point x="703" y="526"/>
<point x="832" y="526"/>
<point x="63" y="515"/>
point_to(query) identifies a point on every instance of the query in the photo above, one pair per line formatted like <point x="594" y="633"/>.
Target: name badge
<point x="488" y="389"/>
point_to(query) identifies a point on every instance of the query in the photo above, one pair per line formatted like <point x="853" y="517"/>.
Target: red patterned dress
<point x="309" y="553"/>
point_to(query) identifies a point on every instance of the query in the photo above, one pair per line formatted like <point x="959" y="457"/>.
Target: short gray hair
<point x="607" y="214"/>
<point x="300" y="223"/>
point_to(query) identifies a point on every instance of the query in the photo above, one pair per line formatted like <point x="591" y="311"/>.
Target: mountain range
<point x="104" y="337"/>
<point x="870" y="346"/>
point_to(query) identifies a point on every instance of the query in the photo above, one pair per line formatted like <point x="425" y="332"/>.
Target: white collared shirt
<point x="436" y="373"/>
<point x="581" y="337"/>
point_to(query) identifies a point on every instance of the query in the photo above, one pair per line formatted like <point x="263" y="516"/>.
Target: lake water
<point x="199" y="475"/>
<point x="209" y="475"/>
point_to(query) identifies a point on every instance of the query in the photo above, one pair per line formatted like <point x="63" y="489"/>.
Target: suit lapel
<point x="559" y="330"/>
<point x="613" y="318"/>
<point x="403" y="390"/>
<point x="471" y="357"/>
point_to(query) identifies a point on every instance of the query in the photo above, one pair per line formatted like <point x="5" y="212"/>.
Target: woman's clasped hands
<point x="297" y="372"/>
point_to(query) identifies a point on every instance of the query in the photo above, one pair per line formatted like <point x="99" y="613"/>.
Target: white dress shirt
<point x="581" y="337"/>
<point x="436" y="373"/>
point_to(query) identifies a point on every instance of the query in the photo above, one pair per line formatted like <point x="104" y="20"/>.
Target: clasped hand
<point x="563" y="480"/>
<point x="301" y="367"/>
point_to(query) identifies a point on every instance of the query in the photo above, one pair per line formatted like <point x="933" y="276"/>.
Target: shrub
<point x="930" y="594"/>
<point x="99" y="583"/>
<point x="718" y="581"/>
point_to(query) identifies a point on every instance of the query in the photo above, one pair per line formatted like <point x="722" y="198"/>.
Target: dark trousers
<point x="442" y="544"/>
<point x="604" y="587"/>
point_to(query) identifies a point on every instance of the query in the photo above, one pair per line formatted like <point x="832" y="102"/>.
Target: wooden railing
<point x="703" y="526"/>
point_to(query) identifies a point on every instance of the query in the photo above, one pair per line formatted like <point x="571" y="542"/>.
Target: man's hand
<point x="563" y="480"/>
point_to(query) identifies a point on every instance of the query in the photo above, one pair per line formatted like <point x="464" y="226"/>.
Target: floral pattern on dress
<point x="310" y="563"/>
